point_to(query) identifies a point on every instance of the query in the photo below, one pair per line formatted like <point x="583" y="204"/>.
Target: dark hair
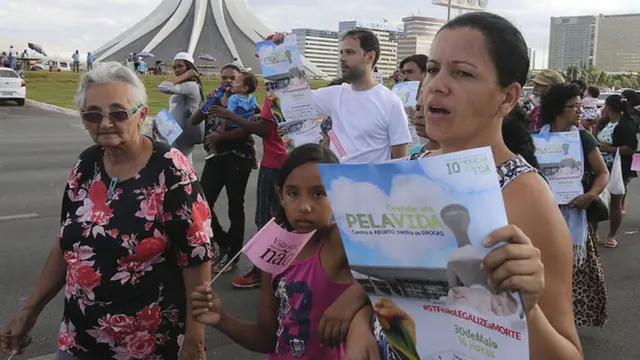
<point x="504" y="42"/>
<point x="418" y="59"/>
<point x="250" y="81"/>
<point x="582" y="86"/>
<point x="368" y="41"/>
<point x="616" y="103"/>
<point x="190" y="66"/>
<point x="232" y="67"/>
<point x="304" y="154"/>
<point x="554" y="102"/>
<point x="632" y="97"/>
<point x="593" y="91"/>
<point x="516" y="135"/>
<point x="338" y="81"/>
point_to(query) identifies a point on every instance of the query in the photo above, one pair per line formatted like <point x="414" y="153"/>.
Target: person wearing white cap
<point x="186" y="95"/>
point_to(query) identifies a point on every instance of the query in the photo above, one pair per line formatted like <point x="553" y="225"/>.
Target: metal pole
<point x="449" y="11"/>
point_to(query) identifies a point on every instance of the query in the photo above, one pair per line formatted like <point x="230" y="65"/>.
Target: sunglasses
<point x="96" y="117"/>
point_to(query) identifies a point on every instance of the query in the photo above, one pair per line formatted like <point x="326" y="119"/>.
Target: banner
<point x="561" y="162"/>
<point x="285" y="81"/>
<point x="413" y="232"/>
<point x="408" y="92"/>
<point x="167" y="126"/>
<point x="273" y="249"/>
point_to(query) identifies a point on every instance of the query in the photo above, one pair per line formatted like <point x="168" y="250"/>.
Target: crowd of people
<point x="139" y="241"/>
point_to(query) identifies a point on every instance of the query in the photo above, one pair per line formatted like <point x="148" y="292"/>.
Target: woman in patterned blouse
<point x="134" y="238"/>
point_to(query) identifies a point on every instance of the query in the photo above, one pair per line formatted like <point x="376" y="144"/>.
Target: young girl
<point x="314" y="300"/>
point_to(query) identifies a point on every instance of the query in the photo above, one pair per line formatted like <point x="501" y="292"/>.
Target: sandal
<point x="611" y="243"/>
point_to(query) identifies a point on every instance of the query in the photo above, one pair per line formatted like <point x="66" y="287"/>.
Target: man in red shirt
<point x="273" y="156"/>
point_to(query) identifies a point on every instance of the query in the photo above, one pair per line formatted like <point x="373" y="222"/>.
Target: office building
<point x="571" y="41"/>
<point x="387" y="35"/>
<point x="320" y="47"/>
<point x="532" y="58"/>
<point x="617" y="43"/>
<point x="419" y="32"/>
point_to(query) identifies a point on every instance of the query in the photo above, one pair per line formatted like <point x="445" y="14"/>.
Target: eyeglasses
<point x="96" y="117"/>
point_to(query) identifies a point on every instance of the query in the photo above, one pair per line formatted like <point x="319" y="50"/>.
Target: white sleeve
<point x="398" y="124"/>
<point x="324" y="98"/>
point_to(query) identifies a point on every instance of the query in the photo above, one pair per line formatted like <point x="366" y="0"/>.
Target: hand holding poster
<point x="412" y="232"/>
<point x="285" y="80"/>
<point x="561" y="162"/>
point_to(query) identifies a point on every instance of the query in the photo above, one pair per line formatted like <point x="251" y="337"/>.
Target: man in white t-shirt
<point x="368" y="120"/>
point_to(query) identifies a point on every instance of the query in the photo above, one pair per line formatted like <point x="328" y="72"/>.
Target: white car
<point x="12" y="86"/>
<point x="59" y="65"/>
<point x="603" y="97"/>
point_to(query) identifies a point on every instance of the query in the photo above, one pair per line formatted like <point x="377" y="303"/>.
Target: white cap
<point x="184" y="56"/>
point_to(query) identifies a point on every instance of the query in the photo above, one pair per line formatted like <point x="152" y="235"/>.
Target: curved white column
<point x="238" y="11"/>
<point x="155" y="19"/>
<point x="171" y="25"/>
<point x="198" y="23"/>
<point x="257" y="24"/>
<point x="221" y="23"/>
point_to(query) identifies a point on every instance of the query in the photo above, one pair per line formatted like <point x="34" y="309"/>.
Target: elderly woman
<point x="477" y="67"/>
<point x="186" y="95"/>
<point x="561" y="111"/>
<point x="134" y="238"/>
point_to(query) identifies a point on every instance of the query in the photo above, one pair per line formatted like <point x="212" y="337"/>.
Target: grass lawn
<point x="59" y="88"/>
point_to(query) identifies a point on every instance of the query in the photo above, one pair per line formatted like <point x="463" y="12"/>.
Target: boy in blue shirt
<point x="242" y="102"/>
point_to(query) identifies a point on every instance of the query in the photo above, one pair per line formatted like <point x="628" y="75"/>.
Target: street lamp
<point x="449" y="11"/>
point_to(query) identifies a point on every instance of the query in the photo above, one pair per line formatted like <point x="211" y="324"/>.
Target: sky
<point x="63" y="26"/>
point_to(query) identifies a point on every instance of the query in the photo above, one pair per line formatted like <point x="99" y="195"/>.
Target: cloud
<point x="87" y="25"/>
<point x="348" y="196"/>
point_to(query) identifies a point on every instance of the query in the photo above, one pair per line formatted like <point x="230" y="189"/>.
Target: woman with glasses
<point x="134" y="238"/>
<point x="561" y="111"/>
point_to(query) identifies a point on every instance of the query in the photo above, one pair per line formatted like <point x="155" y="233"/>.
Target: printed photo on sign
<point x="413" y="232"/>
<point x="302" y="132"/>
<point x="561" y="161"/>
<point x="285" y="80"/>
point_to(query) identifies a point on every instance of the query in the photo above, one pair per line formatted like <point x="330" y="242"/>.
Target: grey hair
<point x="110" y="72"/>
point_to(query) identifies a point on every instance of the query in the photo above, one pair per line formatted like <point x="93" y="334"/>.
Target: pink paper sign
<point x="273" y="249"/>
<point x="635" y="165"/>
<point x="342" y="154"/>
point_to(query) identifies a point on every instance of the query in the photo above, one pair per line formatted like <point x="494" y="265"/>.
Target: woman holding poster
<point x="477" y="67"/>
<point x="560" y="112"/>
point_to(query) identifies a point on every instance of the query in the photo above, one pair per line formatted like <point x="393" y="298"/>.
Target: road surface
<point x="37" y="151"/>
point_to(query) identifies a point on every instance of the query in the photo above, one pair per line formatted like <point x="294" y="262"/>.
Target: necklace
<point x="114" y="180"/>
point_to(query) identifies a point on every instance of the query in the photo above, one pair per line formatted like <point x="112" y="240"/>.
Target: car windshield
<point x="604" y="96"/>
<point x="8" y="74"/>
<point x="63" y="64"/>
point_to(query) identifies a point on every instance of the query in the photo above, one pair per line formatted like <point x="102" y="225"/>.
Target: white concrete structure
<point x="320" y="47"/>
<point x="226" y="29"/>
<point x="419" y="32"/>
<point x="387" y="36"/>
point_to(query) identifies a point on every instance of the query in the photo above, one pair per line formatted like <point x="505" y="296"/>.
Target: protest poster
<point x="561" y="162"/>
<point x="298" y="133"/>
<point x="285" y="81"/>
<point x="273" y="249"/>
<point x="167" y="126"/>
<point x="635" y="164"/>
<point x="408" y="92"/>
<point x="412" y="232"/>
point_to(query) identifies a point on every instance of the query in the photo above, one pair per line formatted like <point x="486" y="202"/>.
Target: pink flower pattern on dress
<point x="124" y="293"/>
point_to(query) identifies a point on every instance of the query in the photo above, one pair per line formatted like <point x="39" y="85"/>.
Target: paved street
<point x="37" y="151"/>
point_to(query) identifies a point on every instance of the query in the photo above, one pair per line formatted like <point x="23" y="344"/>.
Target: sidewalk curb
<point x="49" y="107"/>
<point x="146" y="126"/>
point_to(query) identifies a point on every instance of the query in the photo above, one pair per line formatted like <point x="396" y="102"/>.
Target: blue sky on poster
<point x="63" y="26"/>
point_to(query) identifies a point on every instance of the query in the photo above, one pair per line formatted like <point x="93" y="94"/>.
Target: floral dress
<point x="125" y="247"/>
